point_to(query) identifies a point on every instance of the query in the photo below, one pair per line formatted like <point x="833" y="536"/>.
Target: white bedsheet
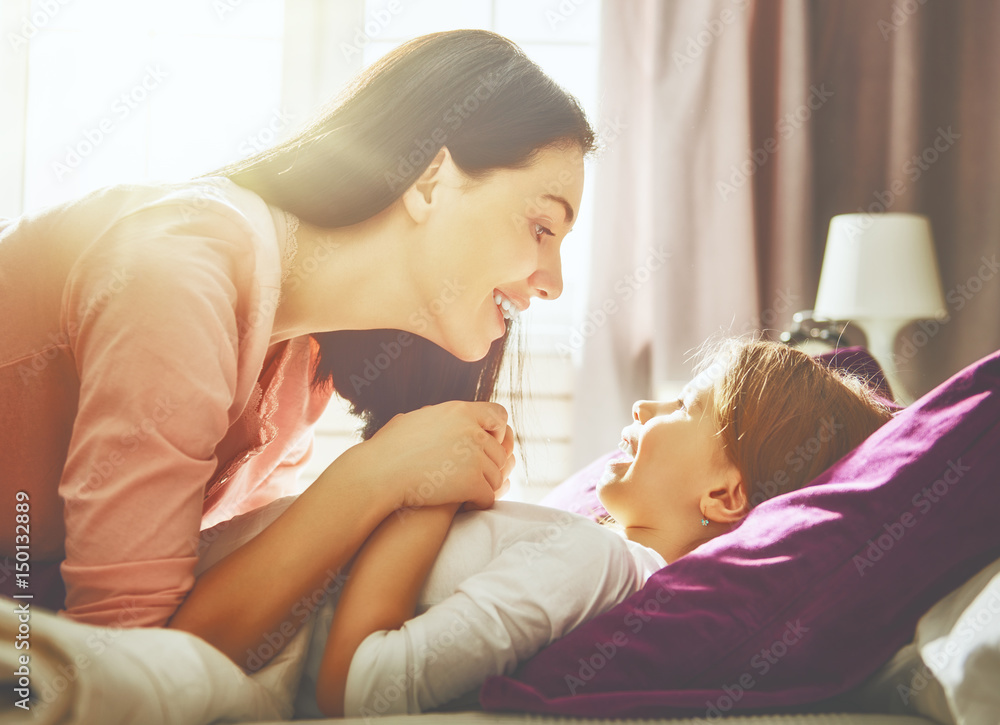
<point x="109" y="675"/>
<point x="86" y="674"/>
<point x="950" y="672"/>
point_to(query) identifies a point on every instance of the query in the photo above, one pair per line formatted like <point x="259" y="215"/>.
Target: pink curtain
<point x="744" y="126"/>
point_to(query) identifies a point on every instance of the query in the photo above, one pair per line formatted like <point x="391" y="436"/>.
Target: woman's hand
<point x="452" y="452"/>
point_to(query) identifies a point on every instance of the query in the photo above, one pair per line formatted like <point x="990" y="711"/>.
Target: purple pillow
<point x="810" y="594"/>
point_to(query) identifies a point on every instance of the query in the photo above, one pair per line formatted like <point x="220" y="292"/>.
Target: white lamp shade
<point x="879" y="266"/>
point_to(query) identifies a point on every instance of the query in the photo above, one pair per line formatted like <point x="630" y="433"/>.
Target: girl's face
<point x="672" y="457"/>
<point x="495" y="237"/>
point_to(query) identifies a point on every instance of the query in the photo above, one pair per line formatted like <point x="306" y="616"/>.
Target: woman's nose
<point x="547" y="281"/>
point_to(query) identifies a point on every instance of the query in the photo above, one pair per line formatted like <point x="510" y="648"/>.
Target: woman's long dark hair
<point x="470" y="90"/>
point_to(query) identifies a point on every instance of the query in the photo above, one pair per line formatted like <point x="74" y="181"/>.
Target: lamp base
<point x="881" y="335"/>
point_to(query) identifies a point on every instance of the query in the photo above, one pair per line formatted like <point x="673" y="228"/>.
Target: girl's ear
<point x="419" y="198"/>
<point x="726" y="502"/>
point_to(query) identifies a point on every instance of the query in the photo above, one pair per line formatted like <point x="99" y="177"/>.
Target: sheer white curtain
<point x="675" y="252"/>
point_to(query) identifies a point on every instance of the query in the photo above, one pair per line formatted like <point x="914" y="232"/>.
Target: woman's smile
<point x="485" y="233"/>
<point x="507" y="306"/>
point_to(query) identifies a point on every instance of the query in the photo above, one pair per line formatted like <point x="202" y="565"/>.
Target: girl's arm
<point x="381" y="593"/>
<point x="250" y="598"/>
<point x="544" y="578"/>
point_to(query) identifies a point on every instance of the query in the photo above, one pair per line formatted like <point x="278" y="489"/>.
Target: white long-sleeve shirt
<point x="508" y="581"/>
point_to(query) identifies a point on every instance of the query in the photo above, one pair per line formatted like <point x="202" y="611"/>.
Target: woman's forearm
<point x="250" y="603"/>
<point x="386" y="578"/>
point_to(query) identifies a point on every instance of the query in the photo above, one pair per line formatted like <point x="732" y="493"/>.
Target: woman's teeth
<point x="510" y="312"/>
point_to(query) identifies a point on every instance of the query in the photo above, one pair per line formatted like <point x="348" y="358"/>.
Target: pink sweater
<point x="134" y="406"/>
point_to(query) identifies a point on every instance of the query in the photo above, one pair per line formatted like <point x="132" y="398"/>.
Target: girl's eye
<point x="541" y="231"/>
<point x="680" y="403"/>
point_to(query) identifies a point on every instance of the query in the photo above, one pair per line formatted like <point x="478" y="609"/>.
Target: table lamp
<point x="880" y="272"/>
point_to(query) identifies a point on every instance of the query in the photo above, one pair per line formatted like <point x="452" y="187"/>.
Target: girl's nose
<point x="642" y="410"/>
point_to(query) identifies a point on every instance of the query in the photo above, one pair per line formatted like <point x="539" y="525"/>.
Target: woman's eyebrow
<point x="569" y="210"/>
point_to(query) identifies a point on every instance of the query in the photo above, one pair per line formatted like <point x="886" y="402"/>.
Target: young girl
<point x="435" y="603"/>
<point x="166" y="348"/>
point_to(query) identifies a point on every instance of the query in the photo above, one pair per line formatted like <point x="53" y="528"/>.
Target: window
<point x="113" y="91"/>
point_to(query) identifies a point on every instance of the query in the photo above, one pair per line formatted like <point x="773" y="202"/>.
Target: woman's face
<point x="671" y="456"/>
<point x="495" y="237"/>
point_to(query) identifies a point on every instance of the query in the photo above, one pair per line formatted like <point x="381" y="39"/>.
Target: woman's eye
<point x="541" y="231"/>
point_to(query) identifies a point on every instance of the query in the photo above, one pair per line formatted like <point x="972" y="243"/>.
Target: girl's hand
<point x="452" y="452"/>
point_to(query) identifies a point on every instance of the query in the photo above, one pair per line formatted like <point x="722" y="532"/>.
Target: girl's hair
<point x="784" y="417"/>
<point x="473" y="91"/>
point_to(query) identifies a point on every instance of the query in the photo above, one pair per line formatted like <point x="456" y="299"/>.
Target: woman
<point x="427" y="614"/>
<point x="166" y="348"/>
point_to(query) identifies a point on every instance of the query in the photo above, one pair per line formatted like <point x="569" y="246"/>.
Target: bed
<point x="104" y="675"/>
<point x="889" y="562"/>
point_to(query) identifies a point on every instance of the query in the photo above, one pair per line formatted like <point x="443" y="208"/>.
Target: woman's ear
<point x="419" y="198"/>
<point x="726" y="502"/>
